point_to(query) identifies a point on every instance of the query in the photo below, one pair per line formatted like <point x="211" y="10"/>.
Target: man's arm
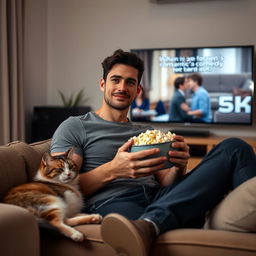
<point x="203" y="103"/>
<point x="197" y="113"/>
<point x="124" y="165"/>
<point x="93" y="180"/>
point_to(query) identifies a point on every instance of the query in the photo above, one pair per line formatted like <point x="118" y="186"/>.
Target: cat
<point x="54" y="196"/>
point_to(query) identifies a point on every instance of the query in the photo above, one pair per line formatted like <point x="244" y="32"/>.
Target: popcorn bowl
<point x="164" y="147"/>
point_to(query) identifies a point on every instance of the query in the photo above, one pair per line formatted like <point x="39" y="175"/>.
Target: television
<point x="227" y="76"/>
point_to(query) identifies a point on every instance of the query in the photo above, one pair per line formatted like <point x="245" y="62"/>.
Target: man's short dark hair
<point x="197" y="78"/>
<point x="179" y="81"/>
<point x="126" y="58"/>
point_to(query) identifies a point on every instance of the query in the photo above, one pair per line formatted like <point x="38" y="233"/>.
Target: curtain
<point x="12" y="124"/>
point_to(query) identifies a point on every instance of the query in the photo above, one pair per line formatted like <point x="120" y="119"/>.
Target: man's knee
<point x="235" y="143"/>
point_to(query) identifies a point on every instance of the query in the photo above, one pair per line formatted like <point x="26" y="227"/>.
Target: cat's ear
<point x="46" y="158"/>
<point x="70" y="153"/>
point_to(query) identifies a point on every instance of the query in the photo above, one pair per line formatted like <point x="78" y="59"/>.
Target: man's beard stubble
<point x="115" y="106"/>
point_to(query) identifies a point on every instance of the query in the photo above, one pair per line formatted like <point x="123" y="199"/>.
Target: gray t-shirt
<point x="97" y="141"/>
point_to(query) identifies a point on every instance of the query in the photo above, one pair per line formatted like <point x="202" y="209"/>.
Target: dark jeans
<point x="185" y="203"/>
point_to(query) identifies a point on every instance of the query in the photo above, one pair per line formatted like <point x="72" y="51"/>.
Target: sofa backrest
<point x="19" y="162"/>
<point x="32" y="154"/>
<point x="224" y="82"/>
<point x="12" y="170"/>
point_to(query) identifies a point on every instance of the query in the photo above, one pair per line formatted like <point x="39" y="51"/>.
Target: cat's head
<point x="59" y="168"/>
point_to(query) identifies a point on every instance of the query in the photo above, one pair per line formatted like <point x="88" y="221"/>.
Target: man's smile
<point x="122" y="95"/>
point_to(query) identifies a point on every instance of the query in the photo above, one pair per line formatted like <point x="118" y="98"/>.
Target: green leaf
<point x="63" y="98"/>
<point x="70" y="101"/>
<point x="74" y="100"/>
<point x="79" y="98"/>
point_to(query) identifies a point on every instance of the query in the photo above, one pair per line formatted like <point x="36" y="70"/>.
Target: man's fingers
<point x="145" y="171"/>
<point x="150" y="162"/>
<point x="125" y="146"/>
<point x="178" y="137"/>
<point x="144" y="153"/>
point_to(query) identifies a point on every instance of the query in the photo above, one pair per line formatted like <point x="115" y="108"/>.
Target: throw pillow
<point x="237" y="211"/>
<point x="241" y="92"/>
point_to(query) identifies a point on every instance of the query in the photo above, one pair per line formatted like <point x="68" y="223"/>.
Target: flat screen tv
<point x="227" y="79"/>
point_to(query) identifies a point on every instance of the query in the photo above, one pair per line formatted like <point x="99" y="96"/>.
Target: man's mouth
<point x="122" y="95"/>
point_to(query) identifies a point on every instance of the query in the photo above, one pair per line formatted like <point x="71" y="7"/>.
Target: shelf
<point x="193" y="162"/>
<point x="200" y="146"/>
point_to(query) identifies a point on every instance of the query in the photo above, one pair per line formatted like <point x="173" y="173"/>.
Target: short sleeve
<point x="203" y="104"/>
<point x="69" y="134"/>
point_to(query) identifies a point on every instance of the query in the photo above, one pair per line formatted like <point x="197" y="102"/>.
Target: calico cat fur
<point x="54" y="196"/>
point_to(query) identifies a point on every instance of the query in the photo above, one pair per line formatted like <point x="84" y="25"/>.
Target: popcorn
<point x="152" y="137"/>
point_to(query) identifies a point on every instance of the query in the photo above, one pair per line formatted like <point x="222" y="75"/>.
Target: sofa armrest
<point x="19" y="232"/>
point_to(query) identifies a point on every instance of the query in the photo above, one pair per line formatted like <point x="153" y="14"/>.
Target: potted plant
<point x="74" y="100"/>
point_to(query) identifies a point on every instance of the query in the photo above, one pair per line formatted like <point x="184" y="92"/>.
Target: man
<point x="200" y="108"/>
<point x="177" y="114"/>
<point x="139" y="200"/>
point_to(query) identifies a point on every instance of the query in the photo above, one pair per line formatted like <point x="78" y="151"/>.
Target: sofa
<point x="225" y="233"/>
<point x="227" y="85"/>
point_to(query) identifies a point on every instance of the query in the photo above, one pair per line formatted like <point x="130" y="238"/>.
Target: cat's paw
<point x="77" y="236"/>
<point x="96" y="218"/>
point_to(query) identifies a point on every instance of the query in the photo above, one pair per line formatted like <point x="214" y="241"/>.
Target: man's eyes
<point x="129" y="82"/>
<point x="115" y="80"/>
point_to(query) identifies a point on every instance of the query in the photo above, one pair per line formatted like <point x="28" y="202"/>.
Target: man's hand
<point x="130" y="165"/>
<point x="184" y="106"/>
<point x="180" y="157"/>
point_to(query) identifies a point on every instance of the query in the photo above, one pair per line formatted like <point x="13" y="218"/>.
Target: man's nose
<point x="122" y="85"/>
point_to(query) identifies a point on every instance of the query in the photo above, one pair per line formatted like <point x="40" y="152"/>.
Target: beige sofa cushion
<point x="31" y="153"/>
<point x="237" y="212"/>
<point x="19" y="233"/>
<point x="12" y="170"/>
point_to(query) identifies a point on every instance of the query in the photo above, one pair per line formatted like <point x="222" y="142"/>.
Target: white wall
<point x="35" y="58"/>
<point x="81" y="33"/>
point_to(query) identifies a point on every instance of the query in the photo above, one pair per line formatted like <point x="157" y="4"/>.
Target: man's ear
<point x="102" y="84"/>
<point x="139" y="89"/>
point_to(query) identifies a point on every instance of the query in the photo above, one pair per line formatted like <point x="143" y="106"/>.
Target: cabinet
<point x="46" y="119"/>
<point x="200" y="146"/>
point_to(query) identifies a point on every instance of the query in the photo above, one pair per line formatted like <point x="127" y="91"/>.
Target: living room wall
<point x="76" y="35"/>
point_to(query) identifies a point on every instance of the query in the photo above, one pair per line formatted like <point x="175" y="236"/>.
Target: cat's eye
<point x="54" y="171"/>
<point x="71" y="165"/>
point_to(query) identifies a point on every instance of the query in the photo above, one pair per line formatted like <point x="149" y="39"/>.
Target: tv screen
<point x="205" y="85"/>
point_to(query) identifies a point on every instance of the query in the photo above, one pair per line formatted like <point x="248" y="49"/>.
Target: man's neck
<point x="196" y="88"/>
<point x="113" y="115"/>
<point x="182" y="92"/>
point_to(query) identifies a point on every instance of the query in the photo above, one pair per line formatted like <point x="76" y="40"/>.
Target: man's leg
<point x="130" y="204"/>
<point x="228" y="165"/>
<point x="125" y="207"/>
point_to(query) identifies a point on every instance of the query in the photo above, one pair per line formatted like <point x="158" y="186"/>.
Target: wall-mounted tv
<point x="224" y="94"/>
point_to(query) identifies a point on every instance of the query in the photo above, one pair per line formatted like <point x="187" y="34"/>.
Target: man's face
<point x="192" y="85"/>
<point x="185" y="85"/>
<point x="121" y="86"/>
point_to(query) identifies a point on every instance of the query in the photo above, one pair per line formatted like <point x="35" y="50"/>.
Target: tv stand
<point x="191" y="133"/>
<point x="200" y="146"/>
